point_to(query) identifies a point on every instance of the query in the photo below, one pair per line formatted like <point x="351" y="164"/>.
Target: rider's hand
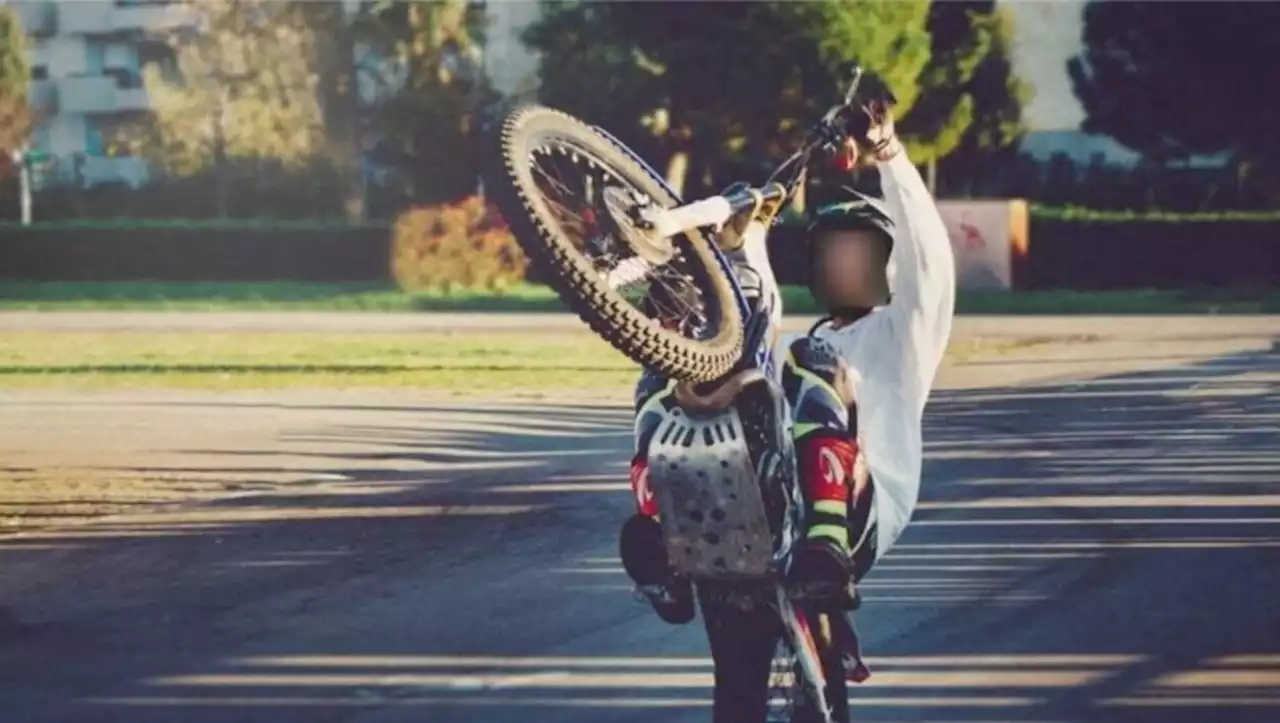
<point x="732" y="235"/>
<point x="874" y="131"/>
<point x="847" y="156"/>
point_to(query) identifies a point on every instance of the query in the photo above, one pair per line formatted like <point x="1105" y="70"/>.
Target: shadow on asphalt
<point x="1108" y="550"/>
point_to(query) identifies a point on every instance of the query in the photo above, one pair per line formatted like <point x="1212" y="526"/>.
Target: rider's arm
<point x="922" y="273"/>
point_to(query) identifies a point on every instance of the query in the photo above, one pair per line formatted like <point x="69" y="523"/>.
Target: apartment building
<point x="86" y="59"/>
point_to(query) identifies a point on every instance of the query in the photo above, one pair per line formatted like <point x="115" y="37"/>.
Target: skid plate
<point x="712" y="513"/>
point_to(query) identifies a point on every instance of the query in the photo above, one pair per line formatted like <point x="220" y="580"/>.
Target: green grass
<point x="515" y="363"/>
<point x="1090" y="215"/>
<point x="231" y="296"/>
<point x="469" y="362"/>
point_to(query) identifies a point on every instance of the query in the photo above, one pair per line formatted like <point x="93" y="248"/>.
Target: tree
<point x="428" y="93"/>
<point x="15" y="116"/>
<point x="244" y="95"/>
<point x="988" y="146"/>
<point x="960" y="37"/>
<point x="1179" y="79"/>
<point x="335" y="33"/>
<point x="705" y="84"/>
<point x="970" y="100"/>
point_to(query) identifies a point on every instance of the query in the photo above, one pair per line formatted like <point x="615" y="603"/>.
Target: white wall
<point x="66" y="134"/>
<point x="66" y="56"/>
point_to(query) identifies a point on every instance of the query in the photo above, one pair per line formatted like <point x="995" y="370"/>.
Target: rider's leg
<point x="838" y="544"/>
<point x="641" y="547"/>
<point x="743" y="642"/>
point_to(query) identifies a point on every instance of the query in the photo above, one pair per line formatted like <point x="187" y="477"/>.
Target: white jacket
<point x="895" y="352"/>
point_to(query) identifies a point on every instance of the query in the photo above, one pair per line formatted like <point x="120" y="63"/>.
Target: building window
<point x="93" y="144"/>
<point x="40" y="137"/>
<point x="95" y="58"/>
<point x="126" y="78"/>
<point x="160" y="56"/>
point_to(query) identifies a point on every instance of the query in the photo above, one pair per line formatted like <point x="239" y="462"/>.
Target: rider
<point x="857" y="384"/>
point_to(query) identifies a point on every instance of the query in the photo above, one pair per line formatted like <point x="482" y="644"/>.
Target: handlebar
<point x="827" y="135"/>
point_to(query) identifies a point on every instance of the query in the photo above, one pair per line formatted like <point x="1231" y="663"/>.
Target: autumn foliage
<point x="455" y="246"/>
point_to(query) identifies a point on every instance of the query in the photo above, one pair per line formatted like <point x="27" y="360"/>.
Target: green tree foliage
<point x="968" y="92"/>
<point x="15" y="117"/>
<point x="1178" y="79"/>
<point x="710" y="85"/>
<point x="335" y="64"/>
<point x="244" y="100"/>
<point x="997" y="97"/>
<point x="425" y="67"/>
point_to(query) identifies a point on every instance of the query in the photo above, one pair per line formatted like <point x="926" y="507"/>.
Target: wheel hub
<point x="624" y="208"/>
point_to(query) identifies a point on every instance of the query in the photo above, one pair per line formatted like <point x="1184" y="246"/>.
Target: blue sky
<point x="1047" y="35"/>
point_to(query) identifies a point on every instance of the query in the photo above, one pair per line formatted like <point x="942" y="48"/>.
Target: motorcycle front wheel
<point x="565" y="190"/>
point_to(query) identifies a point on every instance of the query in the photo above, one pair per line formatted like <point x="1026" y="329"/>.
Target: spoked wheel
<point x="791" y="699"/>
<point x="567" y="193"/>
<point x="757" y="672"/>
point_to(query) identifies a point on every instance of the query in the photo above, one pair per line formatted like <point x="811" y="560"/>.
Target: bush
<point x="458" y="245"/>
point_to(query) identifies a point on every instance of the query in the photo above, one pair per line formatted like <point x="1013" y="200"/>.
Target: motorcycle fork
<point x="804" y="641"/>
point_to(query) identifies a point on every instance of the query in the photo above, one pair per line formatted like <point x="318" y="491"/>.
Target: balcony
<point x="88" y="94"/>
<point x="101" y="17"/>
<point x="152" y="17"/>
<point x="132" y="99"/>
<point x="85" y="18"/>
<point x="39" y="18"/>
<point x="126" y="169"/>
<point x="115" y="91"/>
<point x="43" y="97"/>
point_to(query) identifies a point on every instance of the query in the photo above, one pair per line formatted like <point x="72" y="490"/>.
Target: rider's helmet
<point x="849" y="247"/>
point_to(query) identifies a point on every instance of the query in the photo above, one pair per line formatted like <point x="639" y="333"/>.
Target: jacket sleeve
<point x="922" y="277"/>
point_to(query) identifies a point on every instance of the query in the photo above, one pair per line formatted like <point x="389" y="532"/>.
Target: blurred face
<point x="849" y="268"/>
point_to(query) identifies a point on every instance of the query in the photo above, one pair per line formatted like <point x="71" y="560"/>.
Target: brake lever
<point x="853" y="86"/>
<point x="831" y="130"/>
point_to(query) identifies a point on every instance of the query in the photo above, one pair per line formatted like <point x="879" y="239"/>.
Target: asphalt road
<point x="1086" y="550"/>
<point x="353" y="322"/>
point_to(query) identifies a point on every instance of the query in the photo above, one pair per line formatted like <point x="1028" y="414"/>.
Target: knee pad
<point x="650" y="384"/>
<point x="653" y="399"/>
<point x="816" y="381"/>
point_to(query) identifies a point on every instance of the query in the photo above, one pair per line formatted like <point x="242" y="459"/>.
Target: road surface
<point x="350" y="322"/>
<point x="1086" y="550"/>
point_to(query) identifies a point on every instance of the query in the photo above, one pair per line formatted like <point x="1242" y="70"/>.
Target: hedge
<point x="1069" y="249"/>
<point x="185" y="252"/>
<point x="1104" y="252"/>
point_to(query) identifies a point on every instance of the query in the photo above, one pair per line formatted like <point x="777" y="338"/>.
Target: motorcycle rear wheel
<point x="756" y="671"/>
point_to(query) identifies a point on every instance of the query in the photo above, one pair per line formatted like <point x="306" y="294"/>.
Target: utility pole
<point x="22" y="160"/>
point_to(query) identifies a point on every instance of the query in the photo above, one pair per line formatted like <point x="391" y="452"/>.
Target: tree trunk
<point x="222" y="178"/>
<point x="340" y="102"/>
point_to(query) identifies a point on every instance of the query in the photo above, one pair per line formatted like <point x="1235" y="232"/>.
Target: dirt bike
<point x="597" y="221"/>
